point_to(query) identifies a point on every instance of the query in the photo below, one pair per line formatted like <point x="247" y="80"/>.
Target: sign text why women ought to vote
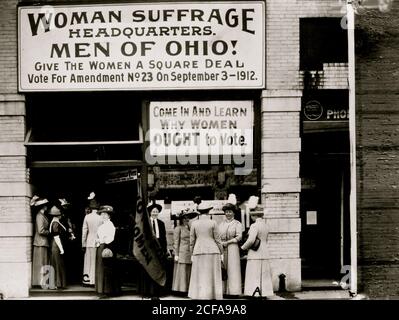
<point x="201" y="128"/>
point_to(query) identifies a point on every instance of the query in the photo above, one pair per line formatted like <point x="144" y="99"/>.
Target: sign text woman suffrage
<point x="198" y="45"/>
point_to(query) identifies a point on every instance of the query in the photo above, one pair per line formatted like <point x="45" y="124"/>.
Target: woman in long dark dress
<point x="58" y="234"/>
<point x="106" y="281"/>
<point x="40" y="257"/>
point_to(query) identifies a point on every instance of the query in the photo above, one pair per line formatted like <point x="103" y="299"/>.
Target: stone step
<point x="74" y="291"/>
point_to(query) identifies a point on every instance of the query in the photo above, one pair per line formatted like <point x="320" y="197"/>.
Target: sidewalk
<point x="302" y="295"/>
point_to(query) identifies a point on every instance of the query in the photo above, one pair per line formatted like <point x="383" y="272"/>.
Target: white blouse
<point x="106" y="232"/>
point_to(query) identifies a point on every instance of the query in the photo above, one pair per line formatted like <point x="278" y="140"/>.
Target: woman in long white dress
<point x="258" y="275"/>
<point x="206" y="273"/>
<point x="181" y="246"/>
<point x="231" y="234"/>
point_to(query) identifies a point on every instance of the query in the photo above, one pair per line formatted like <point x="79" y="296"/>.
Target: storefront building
<point x="80" y="91"/>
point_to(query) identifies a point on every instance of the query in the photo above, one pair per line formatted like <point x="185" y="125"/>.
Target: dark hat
<point x="93" y="204"/>
<point x="203" y="208"/>
<point x="106" y="208"/>
<point x="188" y="213"/>
<point x="229" y="206"/>
<point x="154" y="205"/>
<point x="256" y="213"/>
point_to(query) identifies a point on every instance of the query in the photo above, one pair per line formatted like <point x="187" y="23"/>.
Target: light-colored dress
<point x="91" y="223"/>
<point x="258" y="274"/>
<point x="182" y="268"/>
<point x="232" y="230"/>
<point x="206" y="273"/>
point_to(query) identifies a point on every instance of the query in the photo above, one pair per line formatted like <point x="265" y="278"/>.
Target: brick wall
<point x="282" y="33"/>
<point x="8" y="46"/>
<point x="15" y="218"/>
<point x="377" y="148"/>
<point x="281" y="143"/>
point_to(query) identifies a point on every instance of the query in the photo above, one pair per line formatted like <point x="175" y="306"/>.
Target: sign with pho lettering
<point x="201" y="128"/>
<point x="142" y="46"/>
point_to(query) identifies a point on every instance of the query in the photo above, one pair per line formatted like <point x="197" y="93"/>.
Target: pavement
<point x="302" y="295"/>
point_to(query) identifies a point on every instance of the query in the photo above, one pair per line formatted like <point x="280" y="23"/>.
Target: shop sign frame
<point x="219" y="45"/>
<point x="200" y="128"/>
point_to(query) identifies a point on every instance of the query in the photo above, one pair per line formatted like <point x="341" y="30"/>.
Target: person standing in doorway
<point x="90" y="226"/>
<point x="59" y="234"/>
<point x="106" y="279"/>
<point x="40" y="257"/>
<point x="158" y="226"/>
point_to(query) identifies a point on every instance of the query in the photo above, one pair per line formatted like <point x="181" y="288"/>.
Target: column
<point x="281" y="184"/>
<point x="15" y="217"/>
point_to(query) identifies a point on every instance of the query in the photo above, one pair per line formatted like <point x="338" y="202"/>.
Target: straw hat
<point x="106" y="209"/>
<point x="37" y="202"/>
<point x="54" y="211"/>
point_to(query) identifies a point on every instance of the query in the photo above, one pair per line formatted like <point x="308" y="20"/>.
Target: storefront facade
<point x="71" y="127"/>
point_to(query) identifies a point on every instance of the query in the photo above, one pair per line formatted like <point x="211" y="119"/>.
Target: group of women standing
<point x="202" y="248"/>
<point x="51" y="234"/>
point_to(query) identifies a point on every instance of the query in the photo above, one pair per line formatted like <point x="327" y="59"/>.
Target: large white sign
<point x="209" y="128"/>
<point x="148" y="46"/>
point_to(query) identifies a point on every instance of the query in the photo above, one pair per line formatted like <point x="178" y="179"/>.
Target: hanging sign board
<point x="121" y="176"/>
<point x="201" y="128"/>
<point x="142" y="46"/>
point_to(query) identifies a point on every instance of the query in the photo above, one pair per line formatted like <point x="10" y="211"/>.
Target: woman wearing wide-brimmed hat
<point x="206" y="248"/>
<point x="231" y="234"/>
<point x="181" y="247"/>
<point x="106" y="278"/>
<point x="258" y="273"/>
<point x="40" y="257"/>
<point x="59" y="234"/>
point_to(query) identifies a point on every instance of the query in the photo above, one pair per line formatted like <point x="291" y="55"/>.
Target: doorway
<point x="115" y="186"/>
<point x="324" y="209"/>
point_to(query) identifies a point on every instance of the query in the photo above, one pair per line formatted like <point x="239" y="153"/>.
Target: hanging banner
<point x="142" y="46"/>
<point x="146" y="248"/>
<point x="208" y="128"/>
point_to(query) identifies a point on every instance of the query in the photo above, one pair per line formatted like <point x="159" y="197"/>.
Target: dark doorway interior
<point x="324" y="205"/>
<point x="75" y="185"/>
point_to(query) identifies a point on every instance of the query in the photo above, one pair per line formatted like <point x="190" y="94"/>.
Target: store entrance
<point x="113" y="186"/>
<point x="324" y="210"/>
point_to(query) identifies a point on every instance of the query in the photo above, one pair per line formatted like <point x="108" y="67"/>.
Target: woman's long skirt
<point x="58" y="263"/>
<point x="181" y="277"/>
<point x="258" y="278"/>
<point x="106" y="280"/>
<point x="39" y="260"/>
<point x="89" y="266"/>
<point x="233" y="285"/>
<point x="206" y="277"/>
